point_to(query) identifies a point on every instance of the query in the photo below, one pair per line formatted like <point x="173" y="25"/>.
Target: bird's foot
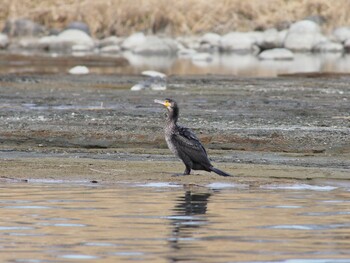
<point x="176" y="175"/>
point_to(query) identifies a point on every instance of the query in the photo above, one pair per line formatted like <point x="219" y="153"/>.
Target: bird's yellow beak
<point x="165" y="103"/>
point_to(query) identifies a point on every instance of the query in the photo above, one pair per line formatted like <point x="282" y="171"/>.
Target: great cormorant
<point x="184" y="143"/>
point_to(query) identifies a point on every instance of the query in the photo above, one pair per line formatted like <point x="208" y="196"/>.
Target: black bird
<point x="184" y="143"/>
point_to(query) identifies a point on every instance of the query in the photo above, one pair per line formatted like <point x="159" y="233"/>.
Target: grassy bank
<point x="122" y="17"/>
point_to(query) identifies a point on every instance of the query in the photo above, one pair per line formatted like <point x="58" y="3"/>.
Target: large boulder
<point x="133" y="41"/>
<point x="303" y="36"/>
<point x="272" y="38"/>
<point x="237" y="42"/>
<point x="70" y="39"/>
<point x="23" y="28"/>
<point x="153" y="45"/>
<point x="341" y="34"/>
<point x="209" y="42"/>
<point x="79" y="26"/>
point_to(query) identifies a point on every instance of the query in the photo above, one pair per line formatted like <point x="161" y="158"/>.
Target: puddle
<point x="50" y="222"/>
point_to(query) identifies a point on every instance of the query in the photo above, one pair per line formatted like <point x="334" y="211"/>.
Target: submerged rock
<point x="276" y="54"/>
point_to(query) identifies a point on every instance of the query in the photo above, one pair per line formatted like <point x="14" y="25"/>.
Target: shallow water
<point x="246" y="65"/>
<point x="57" y="221"/>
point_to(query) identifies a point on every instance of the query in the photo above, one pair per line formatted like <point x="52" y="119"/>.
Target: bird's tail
<point x="218" y="171"/>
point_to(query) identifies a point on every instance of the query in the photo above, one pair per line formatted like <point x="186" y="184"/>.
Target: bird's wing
<point x="190" y="145"/>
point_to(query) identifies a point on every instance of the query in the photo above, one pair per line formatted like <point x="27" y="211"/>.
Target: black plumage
<point x="184" y="143"/>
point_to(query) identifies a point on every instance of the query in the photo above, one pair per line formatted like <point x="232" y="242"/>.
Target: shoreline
<point x="107" y="172"/>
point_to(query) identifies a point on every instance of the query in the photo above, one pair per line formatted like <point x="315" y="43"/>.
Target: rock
<point x="133" y="41"/>
<point x="153" y="45"/>
<point x="78" y="25"/>
<point x="342" y="34"/>
<point x="211" y="39"/>
<point x="155" y="82"/>
<point x="4" y="41"/>
<point x="189" y="42"/>
<point x="236" y="42"/>
<point x="110" y="49"/>
<point x="320" y="20"/>
<point x="76" y="37"/>
<point x="303" y="36"/>
<point x="110" y="41"/>
<point x="347" y="45"/>
<point x="276" y="54"/>
<point x="52" y="43"/>
<point x="328" y="46"/>
<point x="272" y="38"/>
<point x="23" y="28"/>
<point x="81" y="48"/>
<point x="79" y="70"/>
<point x="153" y="73"/>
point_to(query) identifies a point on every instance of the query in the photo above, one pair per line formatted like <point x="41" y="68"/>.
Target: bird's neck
<point x="172" y="117"/>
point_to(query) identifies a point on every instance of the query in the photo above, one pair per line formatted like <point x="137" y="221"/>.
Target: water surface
<point x="160" y="222"/>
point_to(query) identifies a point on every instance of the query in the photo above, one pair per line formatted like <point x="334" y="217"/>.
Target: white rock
<point x="210" y="38"/>
<point x="236" y="41"/>
<point x="272" y="38"/>
<point x="76" y="37"/>
<point x="152" y="73"/>
<point x="153" y="45"/>
<point x="110" y="41"/>
<point x="4" y="40"/>
<point x="276" y="54"/>
<point x="137" y="87"/>
<point x="110" y="49"/>
<point x="328" y="46"/>
<point x="342" y="34"/>
<point x="133" y="41"/>
<point x="303" y="35"/>
<point x="79" y="70"/>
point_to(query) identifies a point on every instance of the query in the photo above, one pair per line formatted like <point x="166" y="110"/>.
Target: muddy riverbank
<point x="297" y="126"/>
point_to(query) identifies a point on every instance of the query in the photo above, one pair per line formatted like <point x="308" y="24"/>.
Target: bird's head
<point x="168" y="103"/>
<point x="171" y="105"/>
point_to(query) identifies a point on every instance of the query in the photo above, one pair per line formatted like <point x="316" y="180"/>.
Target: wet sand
<point x="93" y="128"/>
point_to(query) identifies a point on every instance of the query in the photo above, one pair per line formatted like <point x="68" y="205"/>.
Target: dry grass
<point x="122" y="17"/>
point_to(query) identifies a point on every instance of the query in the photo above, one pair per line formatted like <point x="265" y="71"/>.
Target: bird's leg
<point x="187" y="170"/>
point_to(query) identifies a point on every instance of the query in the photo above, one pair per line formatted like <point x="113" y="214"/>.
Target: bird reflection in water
<point x="190" y="215"/>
